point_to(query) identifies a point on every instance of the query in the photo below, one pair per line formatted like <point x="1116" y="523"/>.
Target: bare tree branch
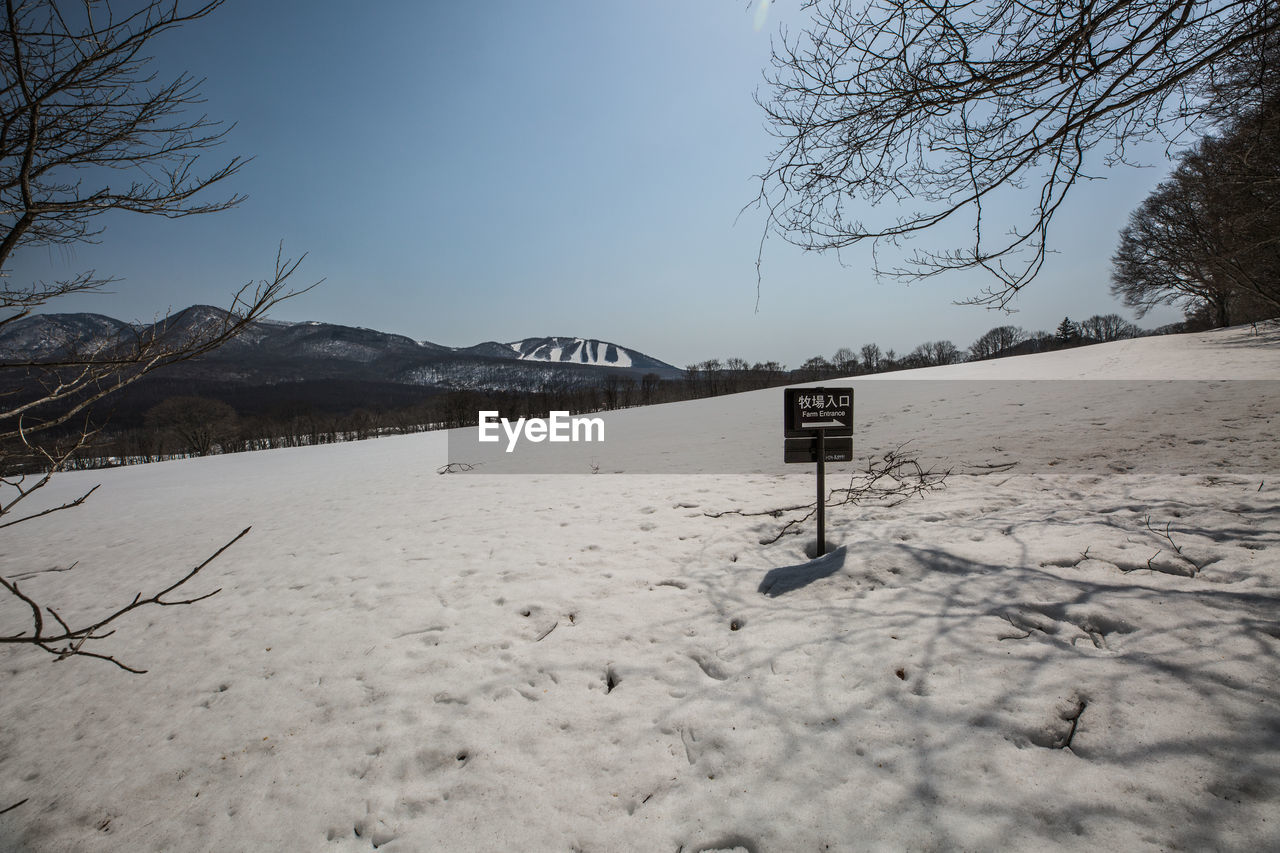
<point x="69" y="386"/>
<point x="51" y="510"/>
<point x="14" y="806"/>
<point x="87" y="128"/>
<point x="931" y="109"/>
<point x="77" y="94"/>
<point x="69" y="642"/>
<point x="895" y="477"/>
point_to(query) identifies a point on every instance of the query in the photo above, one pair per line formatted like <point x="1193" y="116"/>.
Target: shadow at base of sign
<point x="790" y="578"/>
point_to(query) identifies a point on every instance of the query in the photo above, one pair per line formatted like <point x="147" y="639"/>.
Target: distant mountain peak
<point x="588" y="351"/>
<point x="272" y="351"/>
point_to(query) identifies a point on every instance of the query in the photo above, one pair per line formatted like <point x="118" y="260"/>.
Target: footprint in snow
<point x="709" y="666"/>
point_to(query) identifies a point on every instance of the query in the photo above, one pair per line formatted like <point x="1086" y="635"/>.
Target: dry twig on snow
<point x="895" y="477"/>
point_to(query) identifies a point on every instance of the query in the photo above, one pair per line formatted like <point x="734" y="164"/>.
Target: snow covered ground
<point x="1078" y="651"/>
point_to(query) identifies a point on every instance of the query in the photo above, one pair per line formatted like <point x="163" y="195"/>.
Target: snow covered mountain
<point x="45" y="336"/>
<point x="584" y="351"/>
<point x="270" y="352"/>
<point x="1032" y="658"/>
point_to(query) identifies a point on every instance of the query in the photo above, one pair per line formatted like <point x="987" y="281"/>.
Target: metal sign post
<point x="810" y="416"/>
<point x="822" y="493"/>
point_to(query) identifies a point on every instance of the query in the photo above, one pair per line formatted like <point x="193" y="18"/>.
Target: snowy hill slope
<point x="1040" y="656"/>
<point x="1086" y="410"/>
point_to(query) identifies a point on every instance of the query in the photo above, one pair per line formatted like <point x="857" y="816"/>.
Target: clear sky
<point x="460" y="172"/>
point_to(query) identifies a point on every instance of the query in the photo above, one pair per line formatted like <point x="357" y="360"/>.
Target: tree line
<point x="714" y="376"/>
<point x="226" y="419"/>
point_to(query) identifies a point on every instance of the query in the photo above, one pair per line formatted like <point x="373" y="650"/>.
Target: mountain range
<point x="303" y="359"/>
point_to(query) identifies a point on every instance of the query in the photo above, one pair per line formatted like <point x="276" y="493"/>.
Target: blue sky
<point x="462" y="172"/>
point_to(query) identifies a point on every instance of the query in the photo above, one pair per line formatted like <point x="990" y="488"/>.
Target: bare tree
<point x="1208" y="238"/>
<point x="996" y="341"/>
<point x="649" y="384"/>
<point x="935" y="354"/>
<point x="1166" y="252"/>
<point x="814" y="369"/>
<point x="1237" y="175"/>
<point x="871" y="357"/>
<point x="86" y="129"/>
<point x="769" y="373"/>
<point x="198" y="423"/>
<point x="735" y="374"/>
<point x="945" y="352"/>
<point x="1108" y="327"/>
<point x="844" y="361"/>
<point x="936" y="110"/>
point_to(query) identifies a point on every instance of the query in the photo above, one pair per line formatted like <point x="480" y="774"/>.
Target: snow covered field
<point x="407" y="661"/>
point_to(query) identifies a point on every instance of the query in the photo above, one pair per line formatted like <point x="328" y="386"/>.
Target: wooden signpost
<point x="818" y="427"/>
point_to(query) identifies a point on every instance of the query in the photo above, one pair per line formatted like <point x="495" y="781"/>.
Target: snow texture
<point x="404" y="661"/>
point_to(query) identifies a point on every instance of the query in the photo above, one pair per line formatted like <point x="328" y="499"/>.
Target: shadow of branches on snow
<point x="949" y="686"/>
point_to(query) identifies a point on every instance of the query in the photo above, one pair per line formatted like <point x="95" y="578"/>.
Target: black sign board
<point x="820" y="408"/>
<point x="818" y="428"/>
<point x="808" y="410"/>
